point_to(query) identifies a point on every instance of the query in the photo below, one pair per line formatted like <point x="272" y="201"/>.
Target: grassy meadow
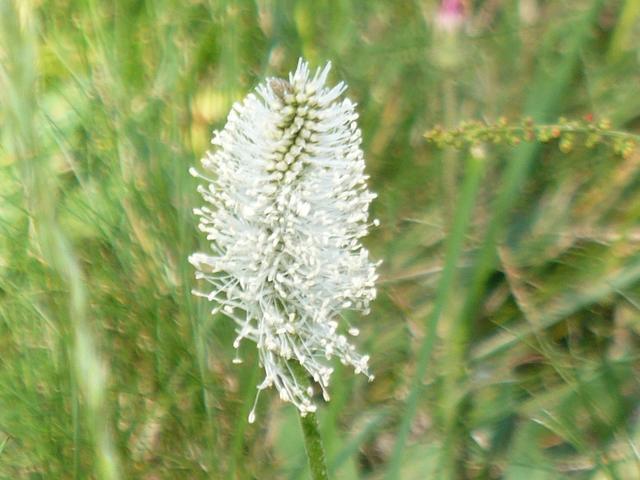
<point x="505" y="336"/>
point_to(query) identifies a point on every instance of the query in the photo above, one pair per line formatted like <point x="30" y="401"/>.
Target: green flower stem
<point x="486" y="130"/>
<point x="565" y="131"/>
<point x="313" y="446"/>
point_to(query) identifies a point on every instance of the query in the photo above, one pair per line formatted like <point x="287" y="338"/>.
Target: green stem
<point x="313" y="446"/>
<point x="474" y="132"/>
<point x="474" y="171"/>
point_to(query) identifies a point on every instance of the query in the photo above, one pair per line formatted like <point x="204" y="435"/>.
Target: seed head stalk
<point x="313" y="447"/>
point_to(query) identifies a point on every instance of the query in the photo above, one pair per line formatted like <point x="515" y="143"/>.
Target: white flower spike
<point x="286" y="206"/>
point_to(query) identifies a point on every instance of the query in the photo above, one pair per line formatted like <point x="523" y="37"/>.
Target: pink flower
<point x="450" y="15"/>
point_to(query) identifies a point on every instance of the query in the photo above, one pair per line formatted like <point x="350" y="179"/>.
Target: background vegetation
<point x="505" y="337"/>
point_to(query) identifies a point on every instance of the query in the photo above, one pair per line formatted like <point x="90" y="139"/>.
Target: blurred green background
<point x="505" y="336"/>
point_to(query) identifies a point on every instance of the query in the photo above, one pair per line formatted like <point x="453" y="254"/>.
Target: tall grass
<point x="505" y="337"/>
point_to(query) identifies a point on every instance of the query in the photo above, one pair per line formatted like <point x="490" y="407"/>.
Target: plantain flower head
<point x="285" y="207"/>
